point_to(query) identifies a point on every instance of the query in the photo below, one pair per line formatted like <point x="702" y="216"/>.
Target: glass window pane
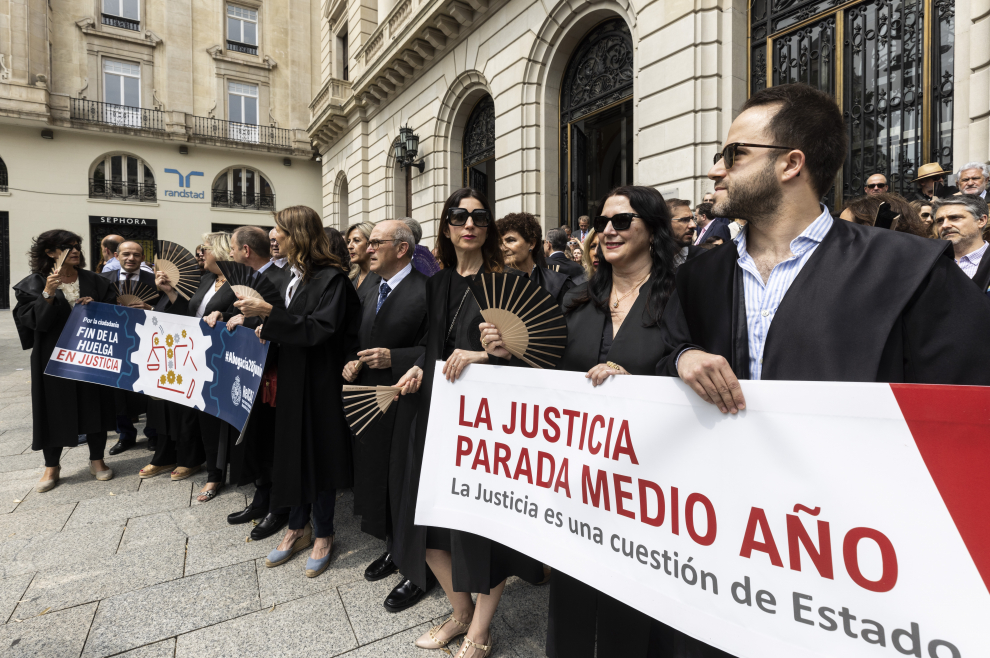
<point x="266" y="188"/>
<point x="149" y="178"/>
<point x="111" y="7"/>
<point x="221" y="184"/>
<point x="132" y="171"/>
<point x="132" y="92"/>
<point x="251" y="111"/>
<point x="111" y="88"/>
<point x="238" y="182"/>
<point x="249" y="184"/>
<point x="100" y="172"/>
<point x="250" y="33"/>
<point x="234" y="104"/>
<point x="233" y="29"/>
<point x="115" y="168"/>
<point x="130" y="8"/>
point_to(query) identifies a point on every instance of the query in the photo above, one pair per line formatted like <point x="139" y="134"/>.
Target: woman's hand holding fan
<point x="252" y="307"/>
<point x="410" y="382"/>
<point x="491" y="340"/>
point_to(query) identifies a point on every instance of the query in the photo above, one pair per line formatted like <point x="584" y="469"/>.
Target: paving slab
<point x="120" y="508"/>
<point x="228" y="545"/>
<point x="11" y="590"/>
<point x="371" y="621"/>
<point x="137" y="618"/>
<point x="163" y="649"/>
<point x="68" y="585"/>
<point x="182" y="522"/>
<point x="74" y="485"/>
<point x="312" y="626"/>
<point x="24" y="524"/>
<point x="21" y="462"/>
<point x="54" y="635"/>
<point x="399" y="645"/>
<point x="51" y="549"/>
<point x="521" y="618"/>
<point x="13" y="493"/>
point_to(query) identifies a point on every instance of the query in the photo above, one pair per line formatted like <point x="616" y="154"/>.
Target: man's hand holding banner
<point x="828" y="519"/>
<point x="173" y="357"/>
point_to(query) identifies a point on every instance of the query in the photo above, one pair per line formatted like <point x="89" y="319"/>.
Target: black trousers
<point x="97" y="443"/>
<point x="322" y="512"/>
<point x="182" y="444"/>
<point x="211" y="427"/>
<point x="263" y="497"/>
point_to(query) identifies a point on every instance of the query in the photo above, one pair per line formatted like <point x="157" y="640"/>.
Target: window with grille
<point x="242" y="30"/>
<point x="122" y="13"/>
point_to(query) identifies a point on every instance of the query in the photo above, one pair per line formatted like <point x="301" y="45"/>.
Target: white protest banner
<point x="827" y="519"/>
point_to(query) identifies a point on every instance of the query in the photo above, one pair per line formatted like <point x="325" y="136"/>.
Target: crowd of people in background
<point x="646" y="288"/>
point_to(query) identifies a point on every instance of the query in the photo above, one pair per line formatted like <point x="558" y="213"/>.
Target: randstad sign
<point x="184" y="182"/>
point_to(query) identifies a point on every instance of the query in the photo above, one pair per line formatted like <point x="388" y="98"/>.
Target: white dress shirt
<point x="971" y="261"/>
<point x="394" y="282"/>
<point x="293" y="284"/>
<point x="201" y="311"/>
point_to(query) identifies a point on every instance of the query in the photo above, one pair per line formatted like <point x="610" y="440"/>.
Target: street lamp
<point x="406" y="148"/>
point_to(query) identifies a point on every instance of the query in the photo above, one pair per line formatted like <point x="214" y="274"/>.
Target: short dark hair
<point x="705" y="209"/>
<point x="677" y="203"/>
<point x="254" y="237"/>
<point x="110" y="245"/>
<point x="557" y="238"/>
<point x="810" y="121"/>
<point x="528" y="228"/>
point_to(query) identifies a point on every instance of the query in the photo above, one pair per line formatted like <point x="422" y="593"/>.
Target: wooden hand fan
<point x="248" y="283"/>
<point x="134" y="292"/>
<point x="529" y="319"/>
<point x="180" y="266"/>
<point x="363" y="404"/>
<point x="60" y="257"/>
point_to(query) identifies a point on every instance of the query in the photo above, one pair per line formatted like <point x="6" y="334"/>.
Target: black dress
<point x="478" y="563"/>
<point x="61" y="409"/>
<point x="579" y="614"/>
<point x="368" y="289"/>
<point x="314" y="336"/>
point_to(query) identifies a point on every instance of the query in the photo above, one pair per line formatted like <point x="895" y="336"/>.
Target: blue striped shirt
<point x="762" y="300"/>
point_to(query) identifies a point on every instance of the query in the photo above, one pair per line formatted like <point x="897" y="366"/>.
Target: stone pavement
<point x="140" y="569"/>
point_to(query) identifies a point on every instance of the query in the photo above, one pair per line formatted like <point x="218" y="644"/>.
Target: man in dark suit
<point x="557" y="260"/>
<point x="129" y="405"/>
<point x="962" y="220"/>
<point x="252" y="459"/>
<point x="683" y="226"/>
<point x="393" y="326"/>
<point x="710" y="226"/>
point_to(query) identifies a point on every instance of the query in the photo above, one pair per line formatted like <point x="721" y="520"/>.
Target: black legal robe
<point x="982" y="276"/>
<point x="476" y="560"/>
<point x="379" y="462"/>
<point x="568" y="267"/>
<point x="128" y="403"/>
<point x="870" y="305"/>
<point x="368" y="292"/>
<point x="556" y="283"/>
<point x="314" y="335"/>
<point x="61" y="409"/>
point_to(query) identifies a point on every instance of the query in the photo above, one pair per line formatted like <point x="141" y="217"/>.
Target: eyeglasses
<point x="70" y="246"/>
<point x="876" y="186"/>
<point x="459" y="217"/>
<point x="377" y="244"/>
<point x="729" y="152"/>
<point x="620" y="221"/>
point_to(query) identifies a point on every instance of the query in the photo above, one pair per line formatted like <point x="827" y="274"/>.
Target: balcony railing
<point x="122" y="116"/>
<point x="122" y="191"/>
<point x="118" y="21"/>
<point x="243" y="201"/>
<point x="231" y="131"/>
<point x="242" y="48"/>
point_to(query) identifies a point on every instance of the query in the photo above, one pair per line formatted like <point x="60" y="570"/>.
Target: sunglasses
<point x="70" y="246"/>
<point x="729" y="152"/>
<point x="459" y="217"/>
<point x="620" y="221"/>
<point x="876" y="186"/>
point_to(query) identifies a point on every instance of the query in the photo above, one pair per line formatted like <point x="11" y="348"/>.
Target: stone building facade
<point x="152" y="119"/>
<point x="546" y="105"/>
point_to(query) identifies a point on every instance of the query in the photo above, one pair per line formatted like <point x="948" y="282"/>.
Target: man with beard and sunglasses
<point x="805" y="297"/>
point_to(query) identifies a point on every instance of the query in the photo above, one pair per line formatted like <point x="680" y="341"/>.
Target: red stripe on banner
<point x="951" y="427"/>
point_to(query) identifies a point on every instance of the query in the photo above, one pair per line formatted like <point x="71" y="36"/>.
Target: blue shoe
<point x="277" y="557"/>
<point x="315" y="567"/>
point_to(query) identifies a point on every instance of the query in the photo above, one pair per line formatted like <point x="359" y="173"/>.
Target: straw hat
<point x="930" y="170"/>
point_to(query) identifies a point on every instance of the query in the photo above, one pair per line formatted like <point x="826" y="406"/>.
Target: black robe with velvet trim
<point x="61" y="409"/>
<point x="314" y="336"/>
<point x="129" y="403"/>
<point x="477" y="563"/>
<point x="870" y="305"/>
<point x="379" y="462"/>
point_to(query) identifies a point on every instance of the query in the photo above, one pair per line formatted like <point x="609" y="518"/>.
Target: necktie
<point x="383" y="292"/>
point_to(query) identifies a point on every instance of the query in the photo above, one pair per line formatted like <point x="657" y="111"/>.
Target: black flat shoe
<point x="152" y="445"/>
<point x="247" y="514"/>
<point x="383" y="567"/>
<point x="121" y="446"/>
<point x="405" y="595"/>
<point x="268" y="526"/>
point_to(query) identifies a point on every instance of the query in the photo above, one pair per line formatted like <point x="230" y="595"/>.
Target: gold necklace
<point x="627" y="293"/>
<point x="219" y="284"/>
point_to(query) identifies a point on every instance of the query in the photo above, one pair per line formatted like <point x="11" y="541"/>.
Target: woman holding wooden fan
<point x="613" y="328"/>
<point x="467" y="243"/>
<point x="315" y="331"/>
<point x="62" y="409"/>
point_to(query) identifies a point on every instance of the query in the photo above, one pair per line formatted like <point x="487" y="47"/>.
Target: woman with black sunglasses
<point x="613" y="328"/>
<point x="467" y="243"/>
<point x="62" y="409"/>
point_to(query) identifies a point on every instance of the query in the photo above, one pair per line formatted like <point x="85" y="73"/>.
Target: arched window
<point x="343" y="205"/>
<point x="3" y="176"/>
<point x="243" y="188"/>
<point x="122" y="177"/>
<point x="479" y="148"/>
<point x="596" y="120"/>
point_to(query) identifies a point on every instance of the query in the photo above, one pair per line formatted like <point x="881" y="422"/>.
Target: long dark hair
<point x="338" y="245"/>
<point x="491" y="250"/>
<point x="41" y="262"/>
<point x="310" y="244"/>
<point x="653" y="211"/>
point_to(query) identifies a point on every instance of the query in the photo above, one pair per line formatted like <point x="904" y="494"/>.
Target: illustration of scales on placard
<point x="172" y="359"/>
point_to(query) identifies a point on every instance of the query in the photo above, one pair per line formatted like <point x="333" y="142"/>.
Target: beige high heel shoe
<point x="102" y="476"/>
<point x="428" y="640"/>
<point x="470" y="645"/>
<point x="48" y="485"/>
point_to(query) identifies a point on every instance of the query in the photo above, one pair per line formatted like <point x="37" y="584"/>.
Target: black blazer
<point x="222" y="301"/>
<point x="556" y="283"/>
<point x="369" y="289"/>
<point x="982" y="276"/>
<point x="636" y="348"/>
<point x="568" y="267"/>
<point x="400" y="326"/>
<point x="870" y="305"/>
<point x="145" y="277"/>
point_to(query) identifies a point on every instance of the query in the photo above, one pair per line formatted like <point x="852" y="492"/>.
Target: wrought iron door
<point x="479" y="147"/>
<point x="4" y="260"/>
<point x="887" y="62"/>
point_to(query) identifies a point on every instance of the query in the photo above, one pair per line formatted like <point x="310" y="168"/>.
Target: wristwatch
<point x="44" y="293"/>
